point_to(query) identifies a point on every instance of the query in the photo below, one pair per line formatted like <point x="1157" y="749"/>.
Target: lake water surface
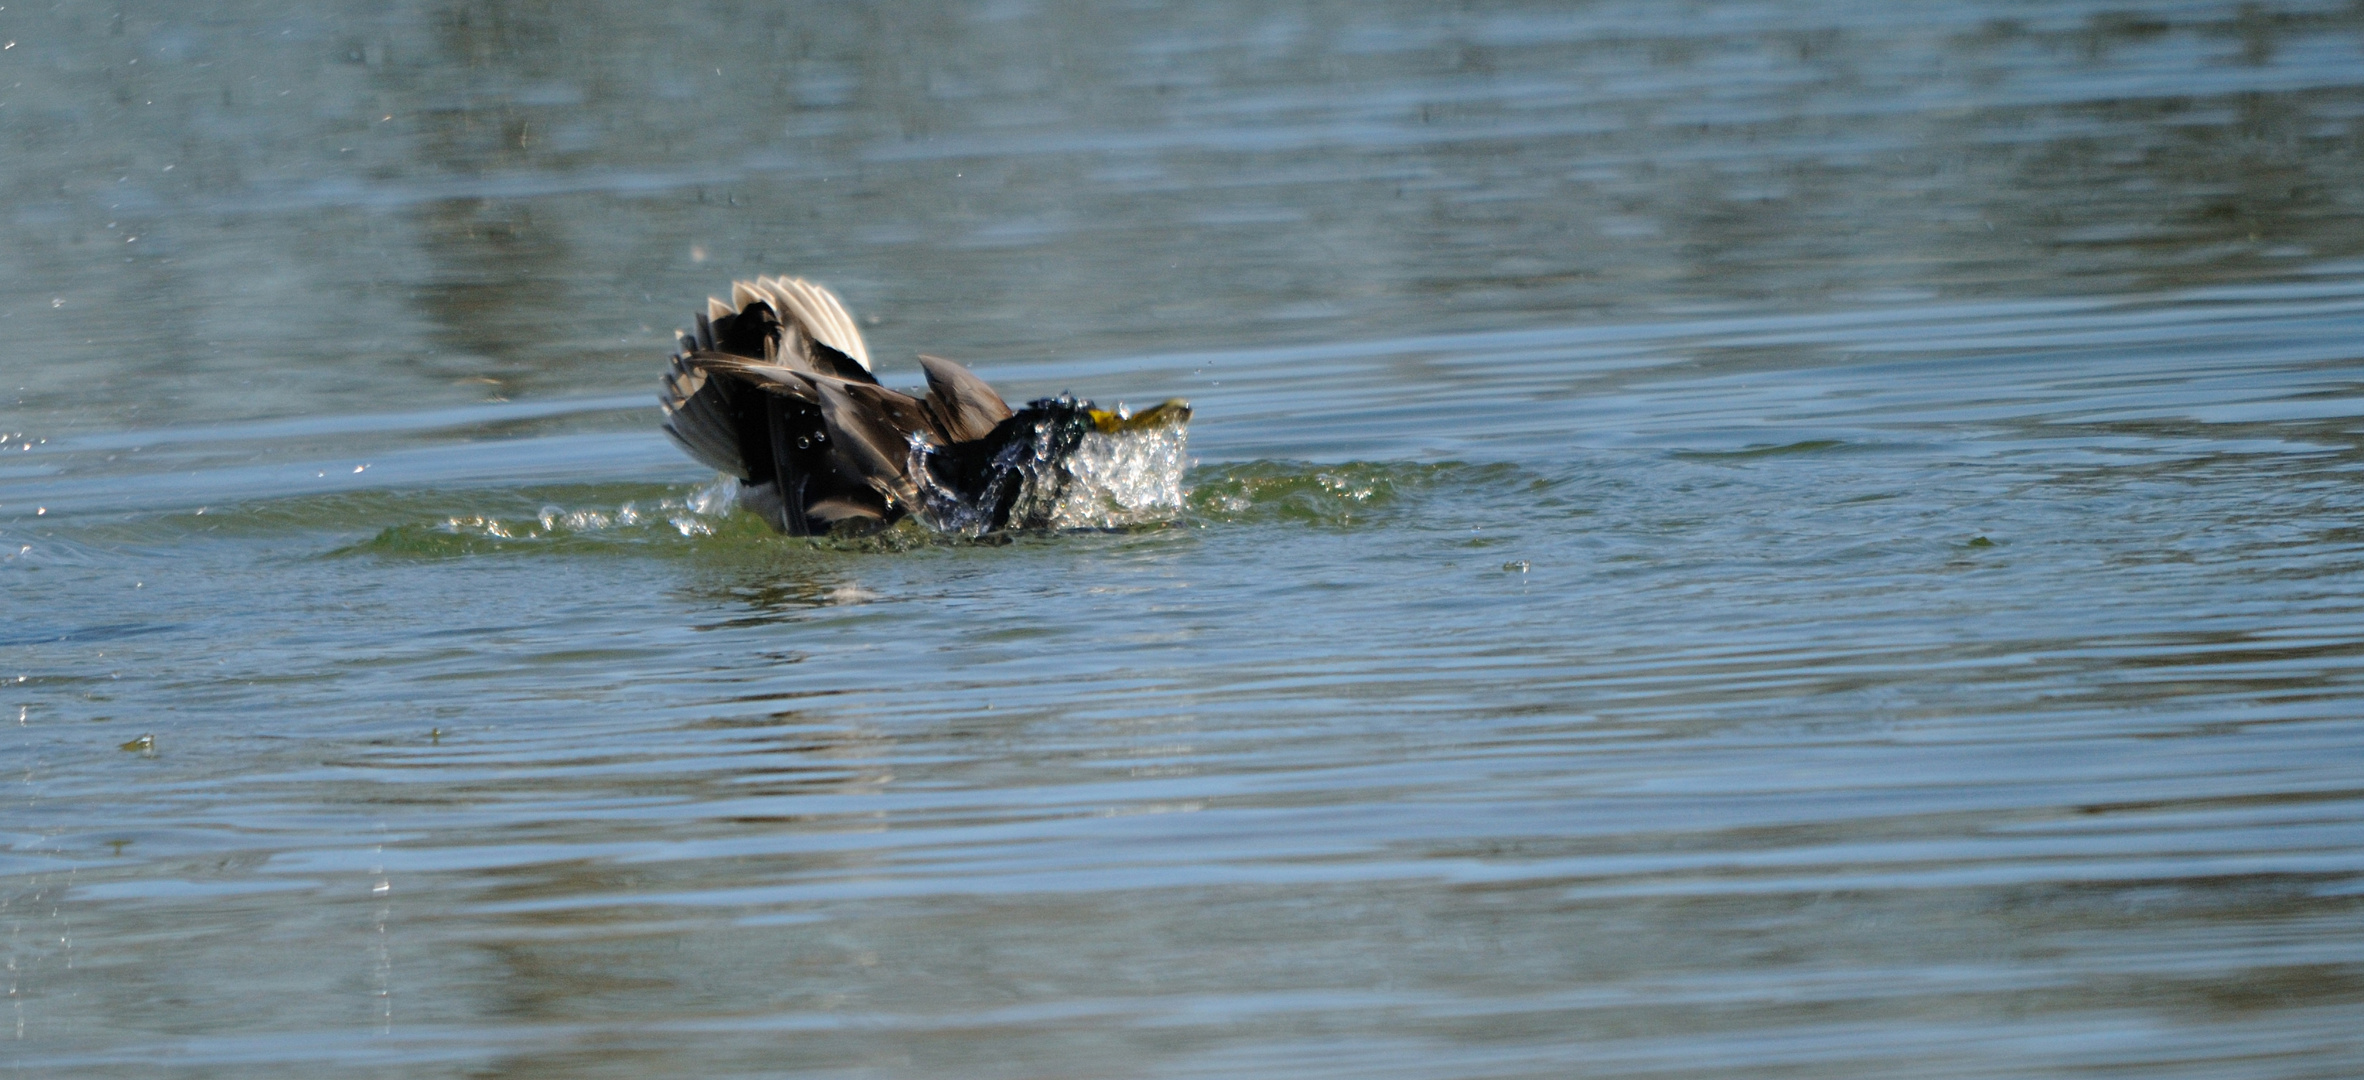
<point x="1810" y="539"/>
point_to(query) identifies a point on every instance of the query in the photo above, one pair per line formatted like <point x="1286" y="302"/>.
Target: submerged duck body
<point x="775" y="388"/>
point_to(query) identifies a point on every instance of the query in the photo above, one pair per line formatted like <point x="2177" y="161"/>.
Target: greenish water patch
<point x="604" y="519"/>
<point x="683" y="520"/>
<point x="1343" y="495"/>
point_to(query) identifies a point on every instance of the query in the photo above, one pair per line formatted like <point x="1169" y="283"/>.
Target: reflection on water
<point x="496" y="281"/>
<point x="1750" y="539"/>
<point x="451" y="202"/>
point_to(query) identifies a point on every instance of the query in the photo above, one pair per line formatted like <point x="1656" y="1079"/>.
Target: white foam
<point x="1109" y="481"/>
<point x="1129" y="478"/>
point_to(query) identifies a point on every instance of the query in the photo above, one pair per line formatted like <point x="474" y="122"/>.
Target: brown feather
<point x="866" y="437"/>
<point x="965" y="408"/>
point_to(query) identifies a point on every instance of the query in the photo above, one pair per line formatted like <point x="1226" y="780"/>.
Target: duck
<point x="775" y="389"/>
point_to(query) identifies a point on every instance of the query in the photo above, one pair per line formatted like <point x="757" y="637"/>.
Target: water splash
<point x="697" y="513"/>
<point x="1129" y="478"/>
<point x="564" y="525"/>
<point x="689" y="516"/>
<point x="1057" y="480"/>
<point x="945" y="509"/>
<point x="1354" y="493"/>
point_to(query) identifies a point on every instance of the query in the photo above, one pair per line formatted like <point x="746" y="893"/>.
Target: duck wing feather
<point x="964" y="407"/>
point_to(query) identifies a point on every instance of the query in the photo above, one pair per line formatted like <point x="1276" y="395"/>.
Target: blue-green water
<point x="1744" y="540"/>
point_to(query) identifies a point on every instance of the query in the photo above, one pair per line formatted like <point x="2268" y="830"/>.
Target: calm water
<point x="1817" y="540"/>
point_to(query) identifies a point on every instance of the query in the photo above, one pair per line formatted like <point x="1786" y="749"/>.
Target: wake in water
<point x="1129" y="476"/>
<point x="693" y="515"/>
<point x="1106" y="482"/>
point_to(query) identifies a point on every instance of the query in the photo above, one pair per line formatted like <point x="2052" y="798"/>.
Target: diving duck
<point x="775" y="388"/>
